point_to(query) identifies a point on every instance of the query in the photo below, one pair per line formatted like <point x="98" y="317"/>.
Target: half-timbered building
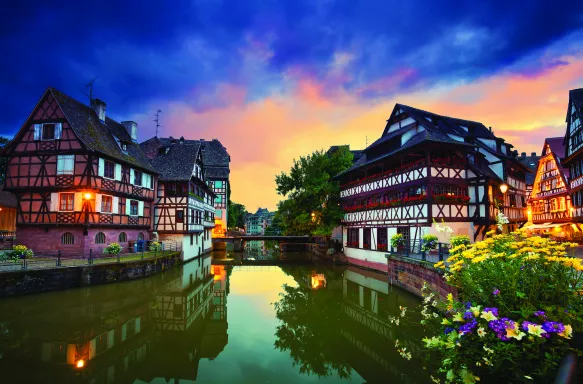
<point x="574" y="151"/>
<point x="426" y="168"/>
<point x="550" y="202"/>
<point x="80" y="179"/>
<point x="183" y="210"/>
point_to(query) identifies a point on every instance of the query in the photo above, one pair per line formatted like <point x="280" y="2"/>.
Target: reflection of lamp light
<point x="87" y="196"/>
<point x="503" y="188"/>
<point x="529" y="212"/>
<point x="80" y="364"/>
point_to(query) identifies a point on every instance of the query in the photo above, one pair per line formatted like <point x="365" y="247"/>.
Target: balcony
<point x="438" y="199"/>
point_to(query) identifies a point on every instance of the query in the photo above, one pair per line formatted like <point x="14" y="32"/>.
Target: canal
<point x="205" y="323"/>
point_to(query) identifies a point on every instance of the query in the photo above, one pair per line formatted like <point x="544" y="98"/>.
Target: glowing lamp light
<point x="87" y="196"/>
<point x="80" y="363"/>
<point x="529" y="212"/>
<point x="503" y="188"/>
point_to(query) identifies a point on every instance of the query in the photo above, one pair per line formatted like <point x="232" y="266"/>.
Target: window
<point x="218" y="199"/>
<point x="191" y="240"/>
<point x="67" y="238"/>
<point x="133" y="207"/>
<point x="352" y="237"/>
<point x="106" y="203"/>
<point x="171" y="189"/>
<point x="100" y="238"/>
<point x="109" y="169"/>
<point x="382" y="239"/>
<point x="366" y="238"/>
<point x="137" y="178"/>
<point x="140" y="236"/>
<point x="218" y="184"/>
<point x="180" y="216"/>
<point x="65" y="164"/>
<point x="122" y="237"/>
<point x="66" y="201"/>
<point x="48" y="132"/>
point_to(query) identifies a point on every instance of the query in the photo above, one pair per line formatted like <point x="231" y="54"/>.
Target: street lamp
<point x="503" y="188"/>
<point x="87" y="195"/>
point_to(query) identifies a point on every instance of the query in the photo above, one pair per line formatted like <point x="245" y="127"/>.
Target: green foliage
<point x="429" y="242"/>
<point x="274" y="229"/>
<point x="155" y="246"/>
<point x="236" y="215"/>
<point x="313" y="198"/>
<point x="112" y="249"/>
<point x="458" y="240"/>
<point x="195" y="196"/>
<point x="397" y="240"/>
<point x="18" y="252"/>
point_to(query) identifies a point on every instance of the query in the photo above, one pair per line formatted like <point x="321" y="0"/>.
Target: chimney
<point x="99" y="108"/>
<point x="132" y="128"/>
<point x="533" y="154"/>
<point x="181" y="139"/>
<point x="172" y="140"/>
<point x="523" y="154"/>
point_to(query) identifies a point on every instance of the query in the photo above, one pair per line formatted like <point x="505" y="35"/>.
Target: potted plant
<point x="429" y="243"/>
<point x="398" y="242"/>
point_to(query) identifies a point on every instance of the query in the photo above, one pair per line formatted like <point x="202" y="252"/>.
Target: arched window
<point x="122" y="237"/>
<point x="67" y="238"/>
<point x="140" y="236"/>
<point x="100" y="238"/>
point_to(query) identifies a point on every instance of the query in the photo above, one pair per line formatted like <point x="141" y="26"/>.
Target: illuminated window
<point x="106" y="203"/>
<point x="66" y="201"/>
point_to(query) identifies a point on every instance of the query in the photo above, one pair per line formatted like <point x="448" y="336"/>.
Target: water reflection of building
<point x="370" y="303"/>
<point x="147" y="329"/>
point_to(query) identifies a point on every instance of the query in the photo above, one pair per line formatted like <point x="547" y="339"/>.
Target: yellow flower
<point x="475" y="310"/>
<point x="567" y="332"/>
<point x="450" y="297"/>
<point x="446" y="322"/>
<point x="515" y="332"/>
<point x="535" y="329"/>
<point x="459" y="318"/>
<point x="488" y="316"/>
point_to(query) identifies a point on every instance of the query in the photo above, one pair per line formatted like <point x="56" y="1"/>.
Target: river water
<point x="205" y="323"/>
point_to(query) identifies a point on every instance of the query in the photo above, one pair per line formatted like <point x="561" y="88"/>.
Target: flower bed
<point x="519" y="302"/>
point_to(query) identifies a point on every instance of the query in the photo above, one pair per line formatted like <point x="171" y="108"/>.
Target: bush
<point x="519" y="303"/>
<point x="397" y="240"/>
<point x="112" y="249"/>
<point x="428" y="242"/>
<point x="155" y="246"/>
<point x="18" y="252"/>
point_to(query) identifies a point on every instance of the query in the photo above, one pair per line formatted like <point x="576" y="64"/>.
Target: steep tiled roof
<point x="99" y="136"/>
<point x="178" y="163"/>
<point x="576" y="96"/>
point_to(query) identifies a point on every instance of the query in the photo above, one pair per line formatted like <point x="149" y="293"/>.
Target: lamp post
<point x="503" y="189"/>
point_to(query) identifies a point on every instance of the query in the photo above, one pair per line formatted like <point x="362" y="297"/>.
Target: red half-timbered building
<point x="550" y="202"/>
<point x="80" y="178"/>
<point x="574" y="151"/>
<point x="428" y="167"/>
<point x="183" y="210"/>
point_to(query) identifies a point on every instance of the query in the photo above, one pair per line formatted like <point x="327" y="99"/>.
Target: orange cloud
<point x="264" y="136"/>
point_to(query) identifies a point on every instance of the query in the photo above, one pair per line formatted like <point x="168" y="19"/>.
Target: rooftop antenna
<point x="157" y="120"/>
<point x="90" y="86"/>
<point x="366" y="141"/>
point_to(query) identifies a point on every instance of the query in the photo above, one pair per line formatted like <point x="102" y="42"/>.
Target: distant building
<point x="532" y="163"/>
<point x="256" y="224"/>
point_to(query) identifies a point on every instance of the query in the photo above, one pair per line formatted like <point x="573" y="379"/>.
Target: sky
<point x="276" y="79"/>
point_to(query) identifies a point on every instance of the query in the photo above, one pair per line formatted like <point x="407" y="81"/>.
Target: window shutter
<point x="140" y="208"/>
<point x="118" y="172"/>
<point x="128" y="207"/>
<point x="78" y="202"/>
<point x="131" y="175"/>
<point x="37" y="131"/>
<point x="101" y="168"/>
<point x="58" y="130"/>
<point x="98" y="202"/>
<point x="60" y="165"/>
<point x="54" y="202"/>
<point x="115" y="202"/>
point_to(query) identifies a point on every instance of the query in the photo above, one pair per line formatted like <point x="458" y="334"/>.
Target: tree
<point x="236" y="215"/>
<point x="274" y="228"/>
<point x="313" y="198"/>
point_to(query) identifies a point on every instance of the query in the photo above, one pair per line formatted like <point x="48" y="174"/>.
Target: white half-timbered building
<point x="428" y="167"/>
<point x="574" y="151"/>
<point x="183" y="208"/>
<point x="550" y="202"/>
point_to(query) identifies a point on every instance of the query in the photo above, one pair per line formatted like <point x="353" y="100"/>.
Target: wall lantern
<point x="87" y="195"/>
<point x="503" y="188"/>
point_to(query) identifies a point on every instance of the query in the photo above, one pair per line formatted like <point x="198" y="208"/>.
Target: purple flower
<point x="553" y="327"/>
<point x="496" y="292"/>
<point x="467" y="304"/>
<point x="493" y="310"/>
<point x="540" y="314"/>
<point x="468" y="327"/>
<point x="468" y="315"/>
<point x="500" y="326"/>
<point x="448" y="330"/>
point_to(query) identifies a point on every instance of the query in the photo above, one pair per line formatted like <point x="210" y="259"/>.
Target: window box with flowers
<point x="352" y="244"/>
<point x="381" y="247"/>
<point x="366" y="246"/>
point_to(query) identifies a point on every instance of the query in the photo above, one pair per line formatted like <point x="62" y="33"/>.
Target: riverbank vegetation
<point x="312" y="204"/>
<point x="518" y="307"/>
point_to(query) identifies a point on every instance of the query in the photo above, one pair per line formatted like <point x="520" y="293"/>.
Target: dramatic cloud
<point x="275" y="80"/>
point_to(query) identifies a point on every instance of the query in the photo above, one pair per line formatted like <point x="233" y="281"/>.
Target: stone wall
<point x="410" y="274"/>
<point x="36" y="281"/>
<point x="48" y="241"/>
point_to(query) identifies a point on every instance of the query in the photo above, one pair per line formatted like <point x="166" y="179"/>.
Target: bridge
<point x="239" y="241"/>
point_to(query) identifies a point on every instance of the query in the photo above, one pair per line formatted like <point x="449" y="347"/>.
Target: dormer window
<point x="123" y="146"/>
<point x="163" y="151"/>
